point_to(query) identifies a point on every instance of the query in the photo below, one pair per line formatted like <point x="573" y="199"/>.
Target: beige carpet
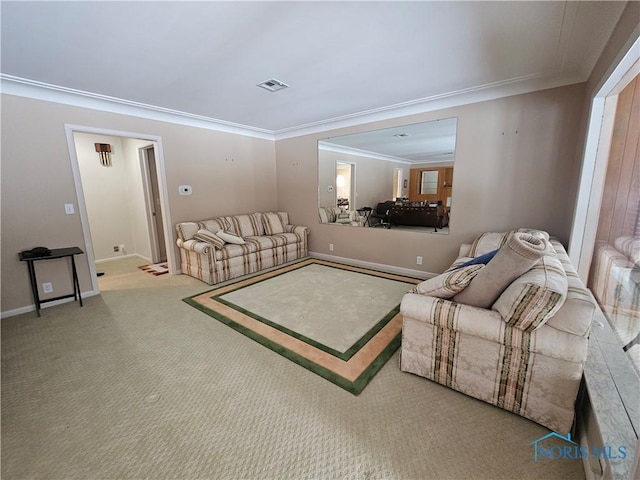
<point x="138" y="384"/>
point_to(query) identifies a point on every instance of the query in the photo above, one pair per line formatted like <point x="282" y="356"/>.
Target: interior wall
<point x="230" y="174"/>
<point x="515" y="166"/>
<point x="113" y="197"/>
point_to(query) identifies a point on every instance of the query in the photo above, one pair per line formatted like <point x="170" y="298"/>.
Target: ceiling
<point x="344" y="61"/>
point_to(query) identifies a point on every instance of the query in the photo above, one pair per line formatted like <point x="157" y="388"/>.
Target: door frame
<point x="595" y="159"/>
<point x="82" y="207"/>
<point x="154" y="240"/>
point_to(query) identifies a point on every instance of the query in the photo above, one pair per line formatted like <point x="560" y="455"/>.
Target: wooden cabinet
<point x="444" y="185"/>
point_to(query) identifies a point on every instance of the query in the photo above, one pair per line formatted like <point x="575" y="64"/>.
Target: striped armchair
<point x="524" y="353"/>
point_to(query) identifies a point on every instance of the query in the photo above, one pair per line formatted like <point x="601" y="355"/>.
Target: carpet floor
<point x="137" y="384"/>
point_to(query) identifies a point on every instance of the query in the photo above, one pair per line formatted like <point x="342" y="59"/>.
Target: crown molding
<point x="23" y="87"/>
<point x="330" y="147"/>
<point x="482" y="93"/>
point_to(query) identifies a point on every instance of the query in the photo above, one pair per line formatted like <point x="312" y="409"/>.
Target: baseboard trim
<point x="32" y="307"/>
<point x="121" y="257"/>
<point x="374" y="266"/>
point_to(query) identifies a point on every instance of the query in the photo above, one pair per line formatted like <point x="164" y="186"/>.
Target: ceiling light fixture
<point x="273" y="85"/>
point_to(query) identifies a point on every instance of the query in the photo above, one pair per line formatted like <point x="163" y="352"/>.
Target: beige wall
<point x="515" y="166"/>
<point x="229" y="174"/>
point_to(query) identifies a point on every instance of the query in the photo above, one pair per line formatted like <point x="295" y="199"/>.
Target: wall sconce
<point x="104" y="152"/>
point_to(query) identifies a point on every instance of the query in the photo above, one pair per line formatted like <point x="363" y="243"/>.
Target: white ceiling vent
<point x="273" y="85"/>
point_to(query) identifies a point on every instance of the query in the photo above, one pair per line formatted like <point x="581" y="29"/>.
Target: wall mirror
<point x="398" y="178"/>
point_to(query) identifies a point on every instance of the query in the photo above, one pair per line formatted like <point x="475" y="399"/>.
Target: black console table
<point x="419" y="216"/>
<point x="55" y="253"/>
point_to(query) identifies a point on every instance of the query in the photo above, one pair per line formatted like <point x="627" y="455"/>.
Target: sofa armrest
<point x="195" y="246"/>
<point x="300" y="230"/>
<point x="464" y="250"/>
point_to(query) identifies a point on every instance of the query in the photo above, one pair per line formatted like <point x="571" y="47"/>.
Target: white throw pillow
<point x="448" y="284"/>
<point x="231" y="238"/>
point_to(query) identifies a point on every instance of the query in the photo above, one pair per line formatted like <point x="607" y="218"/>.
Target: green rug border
<point x="354" y="387"/>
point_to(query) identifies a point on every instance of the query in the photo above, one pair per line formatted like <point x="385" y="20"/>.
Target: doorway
<point x="397" y="183"/>
<point x="345" y="185"/>
<point x="139" y="239"/>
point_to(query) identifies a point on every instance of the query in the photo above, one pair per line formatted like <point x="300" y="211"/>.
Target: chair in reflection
<point x="365" y="213"/>
<point x="340" y="216"/>
<point x="382" y="213"/>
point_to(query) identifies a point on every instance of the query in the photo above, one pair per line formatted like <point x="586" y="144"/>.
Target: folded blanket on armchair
<point x="518" y="255"/>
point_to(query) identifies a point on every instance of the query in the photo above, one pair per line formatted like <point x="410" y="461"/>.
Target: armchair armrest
<point x="474" y="321"/>
<point x="489" y="325"/>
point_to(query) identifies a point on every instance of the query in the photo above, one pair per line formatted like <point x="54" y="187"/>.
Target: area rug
<point x="338" y="321"/>
<point x="156" y="268"/>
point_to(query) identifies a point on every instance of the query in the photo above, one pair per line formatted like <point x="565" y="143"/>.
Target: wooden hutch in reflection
<point x="431" y="184"/>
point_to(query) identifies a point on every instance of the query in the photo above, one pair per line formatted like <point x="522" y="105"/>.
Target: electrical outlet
<point x="331" y="247"/>
<point x="47" y="287"/>
<point x="116" y="248"/>
<point x="121" y="247"/>
<point x="418" y="260"/>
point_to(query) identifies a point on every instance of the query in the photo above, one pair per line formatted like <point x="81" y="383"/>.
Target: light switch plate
<point x="68" y="209"/>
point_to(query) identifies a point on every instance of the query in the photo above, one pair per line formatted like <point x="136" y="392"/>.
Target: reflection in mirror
<point x="429" y="182"/>
<point x="399" y="178"/>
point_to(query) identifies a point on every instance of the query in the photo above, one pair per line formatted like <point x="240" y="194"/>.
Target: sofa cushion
<point x="447" y="284"/>
<point x="232" y="250"/>
<point x="204" y="235"/>
<point x="246" y="225"/>
<point x="285" y="218"/>
<point x="519" y="253"/>
<point x="324" y="214"/>
<point x="186" y="230"/>
<point x="534" y="296"/>
<point x="272" y="223"/>
<point x="214" y="225"/>
<point x="230" y="238"/>
<point x="486" y="242"/>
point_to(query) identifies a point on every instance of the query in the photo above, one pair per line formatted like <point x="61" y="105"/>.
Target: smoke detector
<point x="273" y="85"/>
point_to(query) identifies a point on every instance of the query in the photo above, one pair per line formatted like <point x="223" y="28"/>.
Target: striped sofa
<point x="524" y="353"/>
<point x="223" y="248"/>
